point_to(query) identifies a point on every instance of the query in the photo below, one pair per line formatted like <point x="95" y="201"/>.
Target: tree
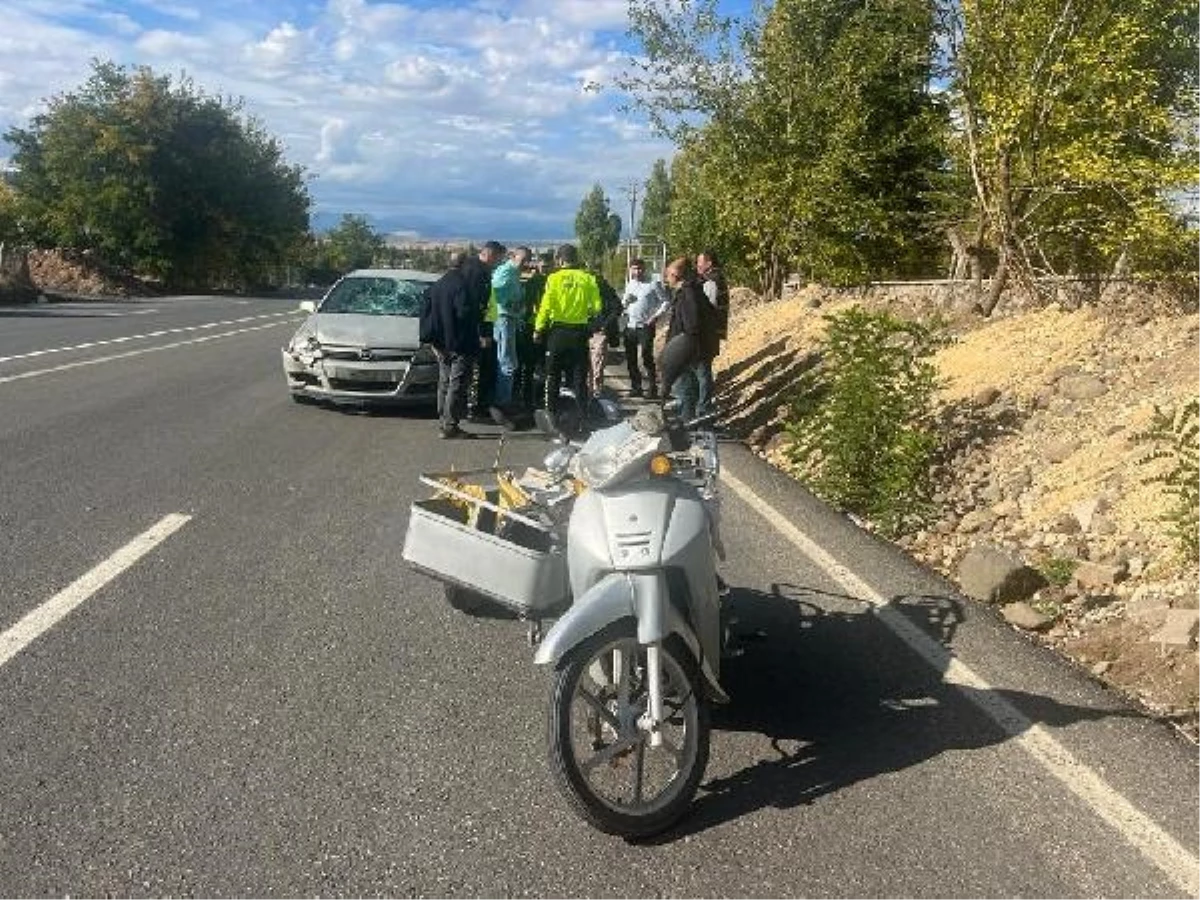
<point x="159" y="178"/>
<point x="816" y="138"/>
<point x="352" y="243"/>
<point x="656" y="207"/>
<point x="1077" y="123"/>
<point x="597" y="227"/>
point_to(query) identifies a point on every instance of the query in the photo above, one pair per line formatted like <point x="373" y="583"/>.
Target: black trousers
<point x="483" y="386"/>
<point x="566" y="357"/>
<point x="639" y="342"/>
<point x="454" y="380"/>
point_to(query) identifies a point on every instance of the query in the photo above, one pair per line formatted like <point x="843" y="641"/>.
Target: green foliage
<point x="1173" y="436"/>
<point x="821" y="143"/>
<point x="1057" y="570"/>
<point x="861" y="425"/>
<point x="352" y="244"/>
<point x="656" y="207"/>
<point x="157" y="177"/>
<point x="597" y="227"/>
<point x="1078" y="122"/>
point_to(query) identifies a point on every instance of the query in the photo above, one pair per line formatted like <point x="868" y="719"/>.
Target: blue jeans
<point x="704" y="387"/>
<point x="684" y="390"/>
<point x="505" y="333"/>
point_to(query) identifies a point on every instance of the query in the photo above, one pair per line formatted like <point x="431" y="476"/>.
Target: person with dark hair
<point x="716" y="291"/>
<point x="570" y="302"/>
<point x="478" y="272"/>
<point x="533" y="283"/>
<point x="644" y="302"/>
<point x="605" y="332"/>
<point x="450" y="324"/>
<point x="691" y="337"/>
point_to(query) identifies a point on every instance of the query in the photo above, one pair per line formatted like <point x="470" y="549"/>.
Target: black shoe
<point x="635" y="393"/>
<point x="453" y="432"/>
<point x="652" y="394"/>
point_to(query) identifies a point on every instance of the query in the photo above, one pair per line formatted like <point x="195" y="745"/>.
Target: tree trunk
<point x="999" y="280"/>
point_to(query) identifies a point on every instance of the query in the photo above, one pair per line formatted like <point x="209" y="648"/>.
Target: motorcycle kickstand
<point x="533" y="632"/>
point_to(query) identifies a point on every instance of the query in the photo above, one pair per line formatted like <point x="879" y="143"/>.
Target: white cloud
<point x="394" y="107"/>
<point x="417" y="74"/>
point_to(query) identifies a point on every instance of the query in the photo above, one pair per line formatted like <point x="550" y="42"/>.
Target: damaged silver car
<point x="361" y="346"/>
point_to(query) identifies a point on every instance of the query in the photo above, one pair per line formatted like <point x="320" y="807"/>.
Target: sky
<point x="432" y="118"/>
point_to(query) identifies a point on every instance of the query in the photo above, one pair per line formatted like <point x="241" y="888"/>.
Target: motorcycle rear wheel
<point x="601" y="760"/>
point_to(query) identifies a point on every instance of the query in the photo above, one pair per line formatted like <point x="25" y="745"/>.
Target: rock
<point x="991" y="575"/>
<point x="1025" y="616"/>
<point x="1006" y="509"/>
<point x="1059" y="449"/>
<point x="1086" y="510"/>
<point x="985" y="397"/>
<point x="1065" y="524"/>
<point x="1081" y="387"/>
<point x="1179" y="629"/>
<point x="1148" y="605"/>
<point x="1101" y="668"/>
<point x="976" y="520"/>
<point x="1093" y="574"/>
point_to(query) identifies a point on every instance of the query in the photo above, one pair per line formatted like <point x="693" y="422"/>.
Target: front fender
<point x="621" y="595"/>
<point x="606" y="601"/>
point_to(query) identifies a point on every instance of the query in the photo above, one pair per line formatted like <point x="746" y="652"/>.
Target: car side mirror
<point x="308" y="306"/>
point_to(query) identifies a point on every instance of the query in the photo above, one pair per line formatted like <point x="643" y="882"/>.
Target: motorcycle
<point x="624" y="532"/>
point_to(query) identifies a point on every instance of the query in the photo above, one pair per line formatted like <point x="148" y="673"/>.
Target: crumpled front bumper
<point x="355" y="382"/>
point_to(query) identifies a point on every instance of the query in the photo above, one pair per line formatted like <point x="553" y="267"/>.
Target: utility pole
<point x="631" y="191"/>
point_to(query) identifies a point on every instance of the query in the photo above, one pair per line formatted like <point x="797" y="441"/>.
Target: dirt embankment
<point x="1041" y="409"/>
<point x="26" y="277"/>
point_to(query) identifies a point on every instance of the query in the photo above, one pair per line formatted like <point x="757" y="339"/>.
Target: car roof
<point x="398" y="274"/>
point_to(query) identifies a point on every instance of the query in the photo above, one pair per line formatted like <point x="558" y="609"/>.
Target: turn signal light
<point x="660" y="465"/>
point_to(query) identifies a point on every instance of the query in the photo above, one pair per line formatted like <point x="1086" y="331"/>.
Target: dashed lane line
<point x="37" y="622"/>
<point x="6" y="379"/>
<point x="1159" y="847"/>
<point x="183" y="329"/>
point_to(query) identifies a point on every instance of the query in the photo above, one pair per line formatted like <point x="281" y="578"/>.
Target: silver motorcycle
<point x="620" y="541"/>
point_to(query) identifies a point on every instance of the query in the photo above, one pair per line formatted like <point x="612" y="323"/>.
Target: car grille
<point x="362" y="387"/>
<point x="377" y="354"/>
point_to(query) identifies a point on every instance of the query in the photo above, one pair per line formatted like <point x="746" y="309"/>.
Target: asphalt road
<point x="267" y="702"/>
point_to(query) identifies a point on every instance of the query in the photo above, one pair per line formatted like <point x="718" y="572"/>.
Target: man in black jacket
<point x="450" y="324"/>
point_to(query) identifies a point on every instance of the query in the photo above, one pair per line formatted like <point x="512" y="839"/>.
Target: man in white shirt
<point x="644" y="302"/>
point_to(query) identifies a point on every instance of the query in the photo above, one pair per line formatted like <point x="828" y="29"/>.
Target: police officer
<point x="570" y="303"/>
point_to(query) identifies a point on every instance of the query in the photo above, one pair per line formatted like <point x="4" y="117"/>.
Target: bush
<point x="1173" y="434"/>
<point x="862" y="421"/>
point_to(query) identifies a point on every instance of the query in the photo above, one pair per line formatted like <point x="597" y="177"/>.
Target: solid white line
<point x="141" y="337"/>
<point x="1171" y="857"/>
<point x="50" y="613"/>
<point x="126" y="355"/>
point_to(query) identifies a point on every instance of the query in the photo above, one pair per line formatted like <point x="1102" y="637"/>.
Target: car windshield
<point x="375" y="297"/>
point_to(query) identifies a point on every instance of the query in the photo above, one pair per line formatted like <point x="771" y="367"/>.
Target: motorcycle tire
<point x="599" y="758"/>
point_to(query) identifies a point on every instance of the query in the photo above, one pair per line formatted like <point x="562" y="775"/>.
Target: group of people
<point x="508" y="334"/>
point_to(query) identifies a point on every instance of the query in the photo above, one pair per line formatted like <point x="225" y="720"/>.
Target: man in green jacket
<point x="570" y="303"/>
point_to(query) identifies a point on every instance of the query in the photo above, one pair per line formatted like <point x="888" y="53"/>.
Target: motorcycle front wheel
<point x="602" y="759"/>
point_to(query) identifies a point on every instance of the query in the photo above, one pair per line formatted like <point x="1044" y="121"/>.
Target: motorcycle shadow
<point x="841" y="699"/>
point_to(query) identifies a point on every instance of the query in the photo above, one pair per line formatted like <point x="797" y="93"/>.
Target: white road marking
<point x="36" y="623"/>
<point x="141" y="337"/>
<point x="127" y="354"/>
<point x="1171" y="857"/>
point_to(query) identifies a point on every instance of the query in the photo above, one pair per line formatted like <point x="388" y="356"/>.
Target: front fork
<point x="652" y="721"/>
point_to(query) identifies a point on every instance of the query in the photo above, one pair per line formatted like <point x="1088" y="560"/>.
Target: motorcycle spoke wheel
<point x="602" y="755"/>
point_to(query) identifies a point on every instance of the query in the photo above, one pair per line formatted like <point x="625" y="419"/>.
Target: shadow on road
<point x="842" y="700"/>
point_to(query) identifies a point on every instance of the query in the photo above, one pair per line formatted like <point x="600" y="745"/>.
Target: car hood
<point x="350" y="330"/>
